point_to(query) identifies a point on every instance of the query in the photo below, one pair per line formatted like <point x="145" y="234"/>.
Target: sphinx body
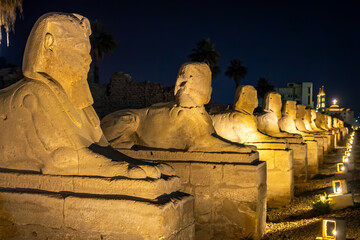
<point x="239" y="124"/>
<point x="182" y="125"/>
<point x="268" y="119"/>
<point x="47" y="120"/>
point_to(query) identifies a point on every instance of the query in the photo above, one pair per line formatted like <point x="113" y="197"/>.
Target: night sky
<point x="316" y="41"/>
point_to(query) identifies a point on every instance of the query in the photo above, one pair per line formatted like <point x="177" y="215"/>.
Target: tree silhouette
<point x="101" y="43"/>
<point x="205" y="52"/>
<point x="263" y="86"/>
<point x="8" y="16"/>
<point x="236" y="71"/>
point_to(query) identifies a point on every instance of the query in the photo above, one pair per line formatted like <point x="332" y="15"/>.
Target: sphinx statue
<point x="304" y="126"/>
<point x="268" y="119"/>
<point x="287" y="124"/>
<point x="51" y="143"/>
<point x="182" y="125"/>
<point x="240" y="125"/>
<point x="47" y="121"/>
<point x="268" y="123"/>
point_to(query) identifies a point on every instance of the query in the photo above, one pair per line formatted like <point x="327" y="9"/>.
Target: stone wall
<point x="122" y="92"/>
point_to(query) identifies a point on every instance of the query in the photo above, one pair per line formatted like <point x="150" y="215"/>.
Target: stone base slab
<point x="341" y="201"/>
<point x="142" y="188"/>
<point x="89" y="215"/>
<point x="230" y="195"/>
<point x="93" y="206"/>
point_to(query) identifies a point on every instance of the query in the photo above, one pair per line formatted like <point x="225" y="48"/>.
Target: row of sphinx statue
<point x="49" y="126"/>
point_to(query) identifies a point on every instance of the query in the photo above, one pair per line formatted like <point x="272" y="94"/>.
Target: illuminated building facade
<point x="302" y="93"/>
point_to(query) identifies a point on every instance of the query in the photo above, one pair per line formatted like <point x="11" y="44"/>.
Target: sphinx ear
<point x="49" y="41"/>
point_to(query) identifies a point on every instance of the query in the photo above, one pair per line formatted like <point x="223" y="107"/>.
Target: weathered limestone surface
<point x="58" y="171"/>
<point x="268" y="124"/>
<point x="90" y="185"/>
<point x="230" y="196"/>
<point x="240" y="125"/>
<point x="84" y="216"/>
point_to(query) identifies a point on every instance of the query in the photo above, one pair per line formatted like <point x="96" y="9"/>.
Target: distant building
<point x="320" y="105"/>
<point x="300" y="92"/>
<point x="345" y="114"/>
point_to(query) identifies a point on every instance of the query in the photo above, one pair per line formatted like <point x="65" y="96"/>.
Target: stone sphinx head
<point x="57" y="52"/>
<point x="313" y="114"/>
<point x="193" y="85"/>
<point x="245" y="99"/>
<point x="289" y="109"/>
<point x="272" y="102"/>
<point x="328" y="121"/>
<point x="308" y="115"/>
<point x="300" y="111"/>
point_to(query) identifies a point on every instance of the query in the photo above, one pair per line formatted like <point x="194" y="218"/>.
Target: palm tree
<point x="205" y="52"/>
<point x="263" y="86"/>
<point x="101" y="43"/>
<point x="236" y="71"/>
<point x="8" y="16"/>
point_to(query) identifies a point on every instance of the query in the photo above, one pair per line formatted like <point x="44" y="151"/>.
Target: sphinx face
<point x="313" y="114"/>
<point x="289" y="109"/>
<point x="70" y="54"/>
<point x="273" y="103"/>
<point x="193" y="85"/>
<point x="200" y="90"/>
<point x="300" y="111"/>
<point x="308" y="115"/>
<point x="246" y="99"/>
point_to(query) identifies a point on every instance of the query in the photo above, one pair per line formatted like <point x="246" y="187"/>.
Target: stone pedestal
<point x="312" y="157"/>
<point x="341" y="201"/>
<point x="37" y="206"/>
<point x="229" y="190"/>
<point x="300" y="161"/>
<point x="280" y="175"/>
<point x="320" y="144"/>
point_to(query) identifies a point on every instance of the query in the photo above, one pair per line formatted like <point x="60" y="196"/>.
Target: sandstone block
<point x="30" y="208"/>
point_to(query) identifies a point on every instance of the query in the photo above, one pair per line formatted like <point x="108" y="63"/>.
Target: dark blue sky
<point x="315" y="41"/>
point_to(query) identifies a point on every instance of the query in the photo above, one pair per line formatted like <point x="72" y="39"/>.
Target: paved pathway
<point x="299" y="221"/>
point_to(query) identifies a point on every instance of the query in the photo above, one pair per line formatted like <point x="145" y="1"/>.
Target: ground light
<point x="339" y="187"/>
<point x="345" y="159"/>
<point x="333" y="229"/>
<point x="341" y="198"/>
<point x="340" y="167"/>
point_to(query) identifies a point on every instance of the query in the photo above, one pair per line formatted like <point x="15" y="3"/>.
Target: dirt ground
<point x="299" y="221"/>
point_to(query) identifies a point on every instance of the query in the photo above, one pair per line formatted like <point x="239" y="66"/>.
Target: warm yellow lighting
<point x="337" y="187"/>
<point x="345" y="159"/>
<point x="334" y="101"/>
<point x="329" y="229"/>
<point x="322" y="198"/>
<point x="351" y="141"/>
<point x="340" y="167"/>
